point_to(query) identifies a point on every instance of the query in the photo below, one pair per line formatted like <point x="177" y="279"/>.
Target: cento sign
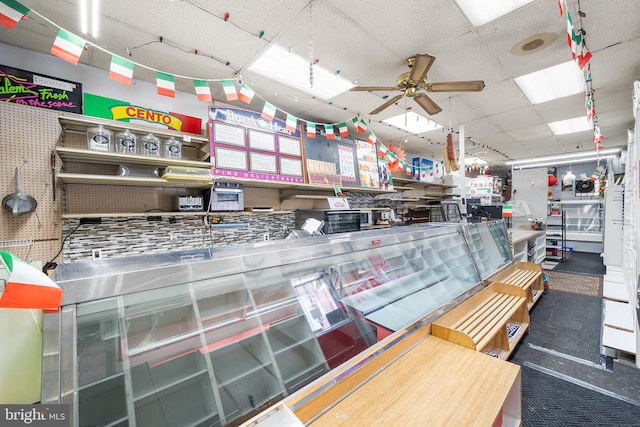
<point x="123" y="112"/>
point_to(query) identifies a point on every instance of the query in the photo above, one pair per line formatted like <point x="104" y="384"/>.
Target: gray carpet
<point x="582" y="263"/>
<point x="565" y="381"/>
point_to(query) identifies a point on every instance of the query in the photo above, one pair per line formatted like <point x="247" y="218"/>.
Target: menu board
<point x="246" y="145"/>
<point x="367" y="164"/>
<point x="341" y="152"/>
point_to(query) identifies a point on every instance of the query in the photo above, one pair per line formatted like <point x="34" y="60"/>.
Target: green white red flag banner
<point x="121" y="70"/>
<point x="67" y="46"/>
<point x="11" y="12"/>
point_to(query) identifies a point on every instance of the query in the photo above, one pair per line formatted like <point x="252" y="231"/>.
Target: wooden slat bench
<point x="492" y="321"/>
<point x="526" y="275"/>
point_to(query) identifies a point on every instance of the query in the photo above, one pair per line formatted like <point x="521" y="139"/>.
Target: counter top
<point x="520" y="235"/>
<point x="434" y="383"/>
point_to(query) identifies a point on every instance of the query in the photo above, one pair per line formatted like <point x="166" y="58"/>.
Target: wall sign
<point x="38" y="90"/>
<point x="122" y="111"/>
<point x="246" y="145"/>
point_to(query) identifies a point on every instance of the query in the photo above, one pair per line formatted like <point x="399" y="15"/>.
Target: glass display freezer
<point x="213" y="336"/>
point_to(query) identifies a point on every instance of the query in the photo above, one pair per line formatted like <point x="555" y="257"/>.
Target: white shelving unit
<point x="582" y="225"/>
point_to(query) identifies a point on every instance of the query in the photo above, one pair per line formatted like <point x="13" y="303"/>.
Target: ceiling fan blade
<point x="372" y="88"/>
<point x="386" y="104"/>
<point x="427" y="104"/>
<point x="464" y="86"/>
<point x="421" y="65"/>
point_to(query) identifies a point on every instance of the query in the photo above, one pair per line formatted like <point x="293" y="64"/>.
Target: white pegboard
<point x="27" y="137"/>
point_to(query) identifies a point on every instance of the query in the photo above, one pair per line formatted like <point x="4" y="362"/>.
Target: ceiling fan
<point x="411" y="82"/>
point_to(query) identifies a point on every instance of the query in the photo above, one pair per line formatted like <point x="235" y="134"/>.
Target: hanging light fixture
<point x="568" y="178"/>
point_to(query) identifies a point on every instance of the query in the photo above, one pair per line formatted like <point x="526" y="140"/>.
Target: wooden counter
<point x="435" y="383"/>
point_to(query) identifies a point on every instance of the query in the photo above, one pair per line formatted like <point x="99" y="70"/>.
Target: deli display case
<point x="214" y="336"/>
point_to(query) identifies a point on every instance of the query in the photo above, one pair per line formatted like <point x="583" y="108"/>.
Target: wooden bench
<point x="526" y="275"/>
<point x="492" y="321"/>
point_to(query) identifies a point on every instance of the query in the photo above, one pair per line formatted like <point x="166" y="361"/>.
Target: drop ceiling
<point x="367" y="42"/>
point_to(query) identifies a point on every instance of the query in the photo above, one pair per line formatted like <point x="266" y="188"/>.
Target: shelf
<point x="397" y="200"/>
<point x="403" y="188"/>
<point x="183" y="381"/>
<point x="81" y="124"/>
<point x="307" y="196"/>
<point x="426" y="184"/>
<point x="103" y="157"/>
<point x="163" y="214"/>
<point x="76" y="178"/>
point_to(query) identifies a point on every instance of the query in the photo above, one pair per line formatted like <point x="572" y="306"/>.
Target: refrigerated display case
<point x="213" y="336"/>
<point x="489" y="244"/>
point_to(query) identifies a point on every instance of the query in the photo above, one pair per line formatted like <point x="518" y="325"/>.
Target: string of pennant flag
<point x="582" y="57"/>
<point x="69" y="47"/>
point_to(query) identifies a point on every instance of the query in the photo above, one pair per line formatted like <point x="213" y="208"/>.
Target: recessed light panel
<point x="479" y="12"/>
<point x="563" y="127"/>
<point x="552" y="83"/>
<point x="293" y="70"/>
<point x="412" y="122"/>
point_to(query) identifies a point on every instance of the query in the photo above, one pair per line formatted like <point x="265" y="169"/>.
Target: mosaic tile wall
<point x="122" y="237"/>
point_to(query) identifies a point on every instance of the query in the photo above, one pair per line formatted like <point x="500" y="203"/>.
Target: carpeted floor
<point x="582" y="263"/>
<point x="575" y="283"/>
<point x="565" y="380"/>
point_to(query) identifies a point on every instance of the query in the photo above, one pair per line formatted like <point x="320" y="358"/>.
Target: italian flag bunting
<point x="229" y="90"/>
<point x="166" y="85"/>
<point x="246" y="94"/>
<point x="121" y="70"/>
<point x="328" y="130"/>
<point x="408" y="170"/>
<point x="311" y="130"/>
<point x="597" y="136"/>
<point x="67" y="46"/>
<point x="268" y="111"/>
<point x="382" y="150"/>
<point x="11" y="12"/>
<point x="579" y="51"/>
<point x="203" y="90"/>
<point x="342" y="128"/>
<point x="27" y="287"/>
<point x="591" y="111"/>
<point x="360" y="124"/>
<point x="372" y="139"/>
<point x="292" y="123"/>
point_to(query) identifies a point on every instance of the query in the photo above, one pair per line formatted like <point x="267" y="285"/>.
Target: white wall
<point x="97" y="82"/>
<point x="531" y="186"/>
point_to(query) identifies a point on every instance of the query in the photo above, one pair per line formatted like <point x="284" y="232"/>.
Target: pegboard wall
<point x="27" y="137"/>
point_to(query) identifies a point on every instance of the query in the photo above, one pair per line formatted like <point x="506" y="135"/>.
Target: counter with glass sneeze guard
<point x="213" y="336"/>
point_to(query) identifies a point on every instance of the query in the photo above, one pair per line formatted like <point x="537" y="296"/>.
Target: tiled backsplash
<point x="122" y="237"/>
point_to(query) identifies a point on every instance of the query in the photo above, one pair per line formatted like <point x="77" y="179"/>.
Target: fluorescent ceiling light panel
<point x="563" y="127"/>
<point x="563" y="162"/>
<point x="552" y="83"/>
<point x="576" y="157"/>
<point x="412" y="122"/>
<point x="481" y="12"/>
<point x="293" y="70"/>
